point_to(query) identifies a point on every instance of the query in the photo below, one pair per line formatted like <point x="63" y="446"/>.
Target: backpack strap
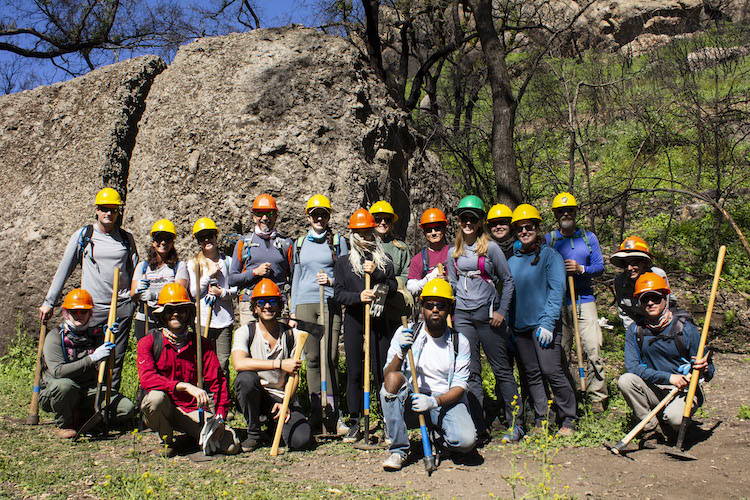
<point x="130" y="246"/>
<point x="425" y="262"/>
<point x="84" y="240"/>
<point x="481" y="264"/>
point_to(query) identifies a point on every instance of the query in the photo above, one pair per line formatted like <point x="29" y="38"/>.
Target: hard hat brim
<point x="159" y="310"/>
<point x="618" y="258"/>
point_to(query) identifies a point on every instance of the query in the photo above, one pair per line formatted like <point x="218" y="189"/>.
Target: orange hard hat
<point x="362" y="219"/>
<point x="173" y="294"/>
<point x="650" y="282"/>
<point x="264" y="202"/>
<point x="266" y="288"/>
<point x="632" y="246"/>
<point x="431" y="216"/>
<point x="78" y="298"/>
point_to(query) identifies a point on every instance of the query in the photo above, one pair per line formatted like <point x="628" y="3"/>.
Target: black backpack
<point x="84" y="240"/>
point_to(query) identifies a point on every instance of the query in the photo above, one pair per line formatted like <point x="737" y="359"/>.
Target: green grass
<point x="744" y="412"/>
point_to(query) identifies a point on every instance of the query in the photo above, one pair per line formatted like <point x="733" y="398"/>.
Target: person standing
<point x="260" y="254"/>
<point x="659" y="355"/>
<point x="366" y="255"/>
<point x="99" y="248"/>
<point x="312" y="262"/>
<point x="72" y="353"/>
<point x="424" y="265"/>
<point x="213" y="289"/>
<point x="539" y="274"/>
<point x="262" y="354"/>
<point x="162" y="266"/>
<point x="498" y="222"/>
<point x="476" y="265"/>
<point x="583" y="260"/>
<point x="634" y="257"/>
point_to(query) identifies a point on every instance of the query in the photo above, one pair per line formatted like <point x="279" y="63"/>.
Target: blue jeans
<point x="452" y="422"/>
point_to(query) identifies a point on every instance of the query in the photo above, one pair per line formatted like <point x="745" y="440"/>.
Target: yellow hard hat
<point x="108" y="196"/>
<point x="525" y="212"/>
<point x="318" y="201"/>
<point x="437" y="287"/>
<point x="383" y="207"/>
<point x="163" y="225"/>
<point x="564" y="200"/>
<point x="499" y="211"/>
<point x="203" y="224"/>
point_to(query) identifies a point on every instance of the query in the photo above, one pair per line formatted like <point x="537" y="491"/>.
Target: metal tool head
<point x="32" y="420"/>
<point x="617" y="449"/>
<point x="91" y="423"/>
<point x="367" y="445"/>
<point x="429" y="465"/>
<point x="680" y="454"/>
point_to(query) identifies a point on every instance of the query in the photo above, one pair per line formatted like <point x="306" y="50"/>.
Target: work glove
<point x="143" y="285"/>
<point x="686" y="367"/>
<point x="407" y="340"/>
<point x="115" y="328"/>
<point x="378" y="304"/>
<point x="422" y="403"/>
<point x="433" y="274"/>
<point x="210" y="300"/>
<point x="101" y="352"/>
<point x="544" y="336"/>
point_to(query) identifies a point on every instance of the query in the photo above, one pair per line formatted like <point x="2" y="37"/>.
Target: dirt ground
<point x="721" y="444"/>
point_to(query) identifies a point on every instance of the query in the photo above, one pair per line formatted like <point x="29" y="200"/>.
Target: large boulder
<point x="289" y="111"/>
<point x="59" y="144"/>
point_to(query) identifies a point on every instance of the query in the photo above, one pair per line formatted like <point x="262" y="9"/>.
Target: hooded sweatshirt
<point x="539" y="289"/>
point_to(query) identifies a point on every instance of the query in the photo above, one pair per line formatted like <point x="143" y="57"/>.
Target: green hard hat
<point x="470" y="202"/>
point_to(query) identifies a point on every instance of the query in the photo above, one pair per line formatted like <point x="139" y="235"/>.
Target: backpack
<point x="481" y="265"/>
<point x="243" y="251"/>
<point x="584" y="235"/>
<point x="454" y="338"/>
<point x="675" y="334"/>
<point x="425" y="262"/>
<point x="84" y="240"/>
<point x="334" y="243"/>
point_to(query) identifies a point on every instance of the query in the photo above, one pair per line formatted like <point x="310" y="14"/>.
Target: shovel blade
<point x="429" y="465"/>
<point x="680" y="454"/>
<point x="91" y="423"/>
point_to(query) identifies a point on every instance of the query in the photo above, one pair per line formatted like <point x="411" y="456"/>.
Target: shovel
<point x="291" y="386"/>
<point x="325" y="407"/>
<point x="33" y="416"/>
<point x="678" y="451"/>
<point x="101" y="412"/>
<point x="365" y="443"/>
<point x="579" y="350"/>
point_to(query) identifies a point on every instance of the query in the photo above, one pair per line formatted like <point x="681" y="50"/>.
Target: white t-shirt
<point x="434" y="365"/>
<point x="273" y="381"/>
<point x="223" y="310"/>
<point x="157" y="279"/>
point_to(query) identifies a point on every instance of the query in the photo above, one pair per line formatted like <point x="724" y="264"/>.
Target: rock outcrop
<point x="59" y="144"/>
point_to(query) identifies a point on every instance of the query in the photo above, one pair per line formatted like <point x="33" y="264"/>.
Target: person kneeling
<point x="656" y="358"/>
<point x="167" y="368"/>
<point x="262" y="355"/>
<point x="72" y="354"/>
<point x="442" y="357"/>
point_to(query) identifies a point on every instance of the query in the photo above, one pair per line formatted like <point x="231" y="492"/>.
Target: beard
<point x="435" y="325"/>
<point x="567" y="223"/>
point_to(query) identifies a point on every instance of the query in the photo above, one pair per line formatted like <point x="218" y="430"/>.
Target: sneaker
<point x="65" y="433"/>
<point x="566" y="431"/>
<point x="341" y="428"/>
<point x="513" y="436"/>
<point x="394" y="462"/>
<point x="250" y="444"/>
<point x="353" y="434"/>
<point x="597" y="407"/>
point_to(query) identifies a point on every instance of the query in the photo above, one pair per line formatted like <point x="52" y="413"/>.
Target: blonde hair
<point x="482" y="243"/>
<point x="359" y="247"/>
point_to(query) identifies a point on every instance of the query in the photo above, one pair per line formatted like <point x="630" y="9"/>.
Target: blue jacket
<point x="655" y="361"/>
<point x="539" y="289"/>
<point x="592" y="261"/>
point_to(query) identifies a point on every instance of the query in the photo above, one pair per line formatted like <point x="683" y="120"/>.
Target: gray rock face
<point x="59" y="144"/>
<point x="287" y="111"/>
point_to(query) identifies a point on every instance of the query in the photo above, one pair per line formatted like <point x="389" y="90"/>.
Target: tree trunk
<point x="507" y="179"/>
<point x="374" y="49"/>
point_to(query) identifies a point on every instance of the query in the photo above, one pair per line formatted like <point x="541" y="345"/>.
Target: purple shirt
<point x="588" y="255"/>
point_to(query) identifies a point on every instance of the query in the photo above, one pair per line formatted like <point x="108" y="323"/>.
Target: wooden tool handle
<point x="33" y="417"/>
<point x="109" y="364"/>
<point x="291" y="385"/>
<point x="198" y="327"/>
<point x="577" y="332"/>
<point x="638" y="428"/>
<point x="323" y="347"/>
<point x="704" y="333"/>
<point x="366" y="346"/>
<point x="413" y="368"/>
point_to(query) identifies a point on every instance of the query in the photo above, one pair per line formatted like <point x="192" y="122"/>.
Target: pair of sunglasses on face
<point x="471" y="219"/>
<point x="529" y="228"/>
<point x="649" y="297"/>
<point x="320" y="214"/>
<point x="270" y="302"/>
<point x="434" y="304"/>
<point x="105" y="209"/>
<point x="438" y="228"/>
<point x="498" y="222"/>
<point x="383" y="218"/>
<point x="261" y="213"/>
<point x="160" y="237"/>
<point x="206" y="235"/>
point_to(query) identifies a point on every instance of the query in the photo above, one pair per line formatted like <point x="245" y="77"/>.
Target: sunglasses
<point x="529" y="228"/>
<point x="471" y="219"/>
<point x="498" y="222"/>
<point x="383" y="218"/>
<point x="105" y="209"/>
<point x="649" y="297"/>
<point x="160" y="237"/>
<point x="206" y="236"/>
<point x="320" y="214"/>
<point x="270" y="302"/>
<point x="434" y="304"/>
<point x="438" y="228"/>
<point x="262" y="213"/>
<point x="635" y="262"/>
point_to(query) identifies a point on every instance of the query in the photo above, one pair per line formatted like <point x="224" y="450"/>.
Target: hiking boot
<point x="513" y="436"/>
<point x="597" y="407"/>
<point x="250" y="444"/>
<point x="65" y="433"/>
<point x="394" y="462"/>
<point x="650" y="439"/>
<point x="353" y="434"/>
<point x="566" y="431"/>
<point x="483" y="439"/>
<point x="167" y="450"/>
<point x="341" y="428"/>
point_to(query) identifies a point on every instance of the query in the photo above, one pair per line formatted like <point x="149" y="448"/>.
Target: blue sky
<point x="272" y="13"/>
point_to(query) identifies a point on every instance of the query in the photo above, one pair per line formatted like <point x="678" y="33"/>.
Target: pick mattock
<point x="33" y="416"/>
<point x="291" y="386"/>
<point x="618" y="448"/>
<point x="105" y="369"/>
<point x="429" y="459"/>
<point x="365" y="444"/>
<point x="679" y="448"/>
<point x="325" y="408"/>
<point x="199" y="336"/>
<point x="577" y="332"/>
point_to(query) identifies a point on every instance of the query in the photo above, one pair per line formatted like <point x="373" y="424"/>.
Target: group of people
<point x="503" y="284"/>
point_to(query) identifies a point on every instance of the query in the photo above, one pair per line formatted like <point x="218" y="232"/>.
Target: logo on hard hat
<point x="630" y="244"/>
<point x="564" y="199"/>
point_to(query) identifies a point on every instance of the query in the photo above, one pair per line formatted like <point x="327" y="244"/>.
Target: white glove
<point x="422" y="403"/>
<point x="101" y="352"/>
<point x="143" y="285"/>
<point x="543" y="336"/>
<point x="407" y="339"/>
<point x="433" y="274"/>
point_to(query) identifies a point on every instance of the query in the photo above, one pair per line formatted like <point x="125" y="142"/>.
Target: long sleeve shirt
<point x="656" y="360"/>
<point x="348" y="286"/>
<point x="178" y="365"/>
<point x="67" y="362"/>
<point x="222" y="314"/>
<point x="471" y="290"/>
<point x="416" y="277"/>
<point x="257" y="251"/>
<point x="311" y="257"/>
<point x="98" y="260"/>
<point x="399" y="255"/>
<point x="539" y="289"/>
<point x="627" y="306"/>
<point x="575" y="248"/>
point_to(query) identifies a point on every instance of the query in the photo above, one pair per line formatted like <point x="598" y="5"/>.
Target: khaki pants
<point x="161" y="415"/>
<point x="643" y="396"/>
<point x="591" y="340"/>
<point x="67" y="399"/>
<point x="246" y="313"/>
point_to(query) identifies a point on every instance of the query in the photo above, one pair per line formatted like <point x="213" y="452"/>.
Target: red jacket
<point x="179" y="366"/>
